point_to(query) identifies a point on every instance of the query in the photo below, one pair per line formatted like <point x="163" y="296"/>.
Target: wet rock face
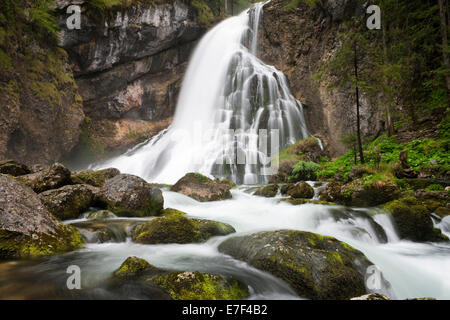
<point x="202" y="188"/>
<point x="26" y="227"/>
<point x="298" y="42"/>
<point x="132" y="66"/>
<point x="315" y="266"/>
<point x="128" y="195"/>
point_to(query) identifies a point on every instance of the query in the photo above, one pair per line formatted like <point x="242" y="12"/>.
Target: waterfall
<point x="229" y="105"/>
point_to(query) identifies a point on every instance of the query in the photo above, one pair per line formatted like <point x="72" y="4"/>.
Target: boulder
<point x="100" y="231"/>
<point x="284" y="171"/>
<point x="315" y="266"/>
<point x="133" y="267"/>
<point x="413" y="221"/>
<point x="301" y="190"/>
<point x="286" y="187"/>
<point x="178" y="229"/>
<point x="94" y="178"/>
<point x="200" y="286"/>
<point x="202" y="188"/>
<point x="368" y="193"/>
<point x="332" y="193"/>
<point x="27" y="229"/>
<point x="70" y="201"/>
<point x="130" y="196"/>
<point x="268" y="191"/>
<point x="13" y="168"/>
<point x="49" y="178"/>
<point x="100" y="215"/>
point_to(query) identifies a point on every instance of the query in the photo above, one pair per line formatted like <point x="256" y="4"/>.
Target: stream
<point x="409" y="269"/>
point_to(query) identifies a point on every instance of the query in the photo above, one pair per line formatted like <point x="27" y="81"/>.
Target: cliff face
<point x="298" y="41"/>
<point x="40" y="108"/>
<point x="129" y="68"/>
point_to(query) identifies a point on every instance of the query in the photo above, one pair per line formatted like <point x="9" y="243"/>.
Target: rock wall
<point x="298" y="41"/>
<point x="129" y="68"/>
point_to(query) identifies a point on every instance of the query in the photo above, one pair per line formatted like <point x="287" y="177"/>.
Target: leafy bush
<point x="304" y="170"/>
<point x="434" y="187"/>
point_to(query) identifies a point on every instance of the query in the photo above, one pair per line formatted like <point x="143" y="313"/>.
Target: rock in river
<point x="27" y="229"/>
<point x="202" y="188"/>
<point x="315" y="266"/>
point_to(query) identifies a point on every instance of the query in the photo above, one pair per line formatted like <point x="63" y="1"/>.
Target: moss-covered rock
<point x="301" y="190"/>
<point x="100" y="215"/>
<point x="178" y="229"/>
<point x="332" y="193"/>
<point x="268" y="191"/>
<point x="70" y="201"/>
<point x="170" y="212"/>
<point x="284" y="189"/>
<point x="94" y="178"/>
<point x="200" y="286"/>
<point x="53" y="177"/>
<point x="133" y="267"/>
<point x="130" y="196"/>
<point x="13" y="168"/>
<point x="370" y="191"/>
<point x="315" y="266"/>
<point x="27" y="229"/>
<point x="201" y="188"/>
<point x="413" y="221"/>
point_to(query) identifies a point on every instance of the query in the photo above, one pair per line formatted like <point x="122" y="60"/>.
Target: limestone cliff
<point x="298" y="39"/>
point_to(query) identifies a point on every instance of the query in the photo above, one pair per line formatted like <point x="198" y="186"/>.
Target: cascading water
<point x="228" y="96"/>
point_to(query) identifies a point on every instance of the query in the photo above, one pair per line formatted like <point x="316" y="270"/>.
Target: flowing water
<point x="409" y="269"/>
<point x="227" y="87"/>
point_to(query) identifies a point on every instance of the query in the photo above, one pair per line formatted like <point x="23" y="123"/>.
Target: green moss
<point x="199" y="286"/>
<point x="170" y="212"/>
<point x="268" y="191"/>
<point x="412" y="218"/>
<point x="132" y="267"/>
<point x="15" y="245"/>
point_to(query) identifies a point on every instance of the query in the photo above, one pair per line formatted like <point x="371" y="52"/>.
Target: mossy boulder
<point x="70" y="201"/>
<point x="268" y="191"/>
<point x="94" y="178"/>
<point x="284" y="171"/>
<point x="13" y="168"/>
<point x="359" y="172"/>
<point x="315" y="266"/>
<point x="370" y="191"/>
<point x="300" y="201"/>
<point x="301" y="190"/>
<point x="53" y="177"/>
<point x="201" y="188"/>
<point x="170" y="212"/>
<point x="413" y="221"/>
<point x="130" y="196"/>
<point x="133" y="267"/>
<point x="100" y="215"/>
<point x="200" y="286"/>
<point x="332" y="193"/>
<point x="178" y="229"/>
<point x="284" y="189"/>
<point x="27" y="229"/>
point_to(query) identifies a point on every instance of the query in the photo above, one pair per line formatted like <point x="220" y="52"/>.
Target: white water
<point x="225" y="87"/>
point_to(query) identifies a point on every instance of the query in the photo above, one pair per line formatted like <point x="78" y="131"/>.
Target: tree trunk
<point x="444" y="35"/>
<point x="358" y="126"/>
<point x="389" y="124"/>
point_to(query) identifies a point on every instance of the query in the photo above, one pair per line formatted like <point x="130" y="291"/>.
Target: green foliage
<point x="305" y="170"/>
<point x="434" y="187"/>
<point x="384" y="152"/>
<point x="43" y="18"/>
<point x="295" y="3"/>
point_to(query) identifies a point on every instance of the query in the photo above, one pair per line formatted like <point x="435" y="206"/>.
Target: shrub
<point x="304" y="170"/>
